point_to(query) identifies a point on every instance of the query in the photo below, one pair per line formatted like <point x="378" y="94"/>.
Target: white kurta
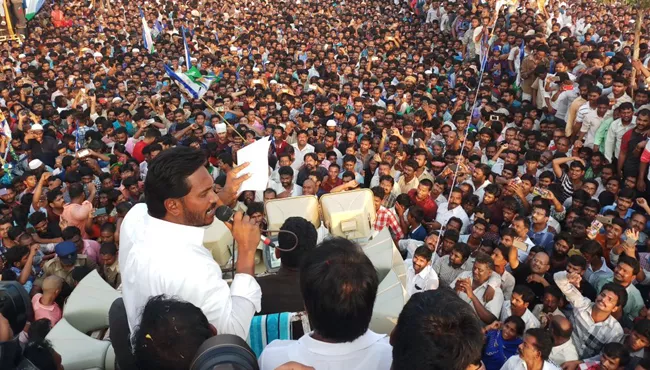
<point x="159" y="257"/>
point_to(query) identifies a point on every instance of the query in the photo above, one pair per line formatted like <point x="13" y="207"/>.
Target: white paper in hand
<point x="257" y="154"/>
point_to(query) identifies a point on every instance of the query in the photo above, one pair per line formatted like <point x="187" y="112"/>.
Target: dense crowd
<point x="507" y="153"/>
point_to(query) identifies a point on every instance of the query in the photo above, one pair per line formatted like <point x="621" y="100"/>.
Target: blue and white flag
<point x="186" y="51"/>
<point x="147" y="39"/>
<point x="5" y="130"/>
<point x="192" y="82"/>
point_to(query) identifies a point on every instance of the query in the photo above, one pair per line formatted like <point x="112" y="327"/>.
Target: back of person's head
<point x="167" y="177"/>
<point x="436" y="330"/>
<point x="39" y="329"/>
<point x="307" y="236"/>
<point x="42" y="355"/>
<point x="80" y="272"/>
<point x="339" y="285"/>
<point x="169" y="334"/>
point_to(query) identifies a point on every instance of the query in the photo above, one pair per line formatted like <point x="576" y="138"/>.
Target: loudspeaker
<point x="218" y="240"/>
<point x="85" y="311"/>
<point x="391" y="298"/>
<point x="384" y="256"/>
<point x="391" y="294"/>
<point x="349" y="214"/>
<point x="88" y="305"/>
<point x="79" y="351"/>
<point x="278" y="210"/>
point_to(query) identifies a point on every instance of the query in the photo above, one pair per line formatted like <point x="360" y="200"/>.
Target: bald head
<point x="52" y="284"/>
<point x="561" y="327"/>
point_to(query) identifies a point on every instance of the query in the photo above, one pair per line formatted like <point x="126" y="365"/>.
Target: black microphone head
<point x="224" y="213"/>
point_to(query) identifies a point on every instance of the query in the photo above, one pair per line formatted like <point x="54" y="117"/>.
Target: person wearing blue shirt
<point x="122" y="122"/>
<point x="539" y="230"/>
<point x="416" y="229"/>
<point x="21" y="260"/>
<point x="623" y="205"/>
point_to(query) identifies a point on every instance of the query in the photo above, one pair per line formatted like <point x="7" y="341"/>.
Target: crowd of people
<point x="506" y="150"/>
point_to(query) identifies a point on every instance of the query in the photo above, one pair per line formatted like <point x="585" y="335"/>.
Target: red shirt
<point x="428" y="205"/>
<point x="327" y="185"/>
<point x="137" y="151"/>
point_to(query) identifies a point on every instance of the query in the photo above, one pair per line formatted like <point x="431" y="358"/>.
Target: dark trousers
<point x="121" y="336"/>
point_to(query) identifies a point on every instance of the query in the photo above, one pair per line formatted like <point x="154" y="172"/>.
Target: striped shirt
<point x="446" y="272"/>
<point x="588" y="336"/>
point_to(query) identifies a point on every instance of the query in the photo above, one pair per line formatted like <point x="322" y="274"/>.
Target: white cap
<point x="97" y="55"/>
<point x="37" y="127"/>
<point x="34" y="164"/>
<point x="220" y="128"/>
<point x="233" y="48"/>
<point x="135" y="50"/>
<point x="116" y="100"/>
<point x="503" y="111"/>
<point x="21" y="56"/>
<point x="331" y="123"/>
<point x="195" y="13"/>
<point x="273" y="82"/>
<point x="255" y="69"/>
<point x="450" y="124"/>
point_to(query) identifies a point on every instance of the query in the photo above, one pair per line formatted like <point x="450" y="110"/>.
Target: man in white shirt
<point x="301" y="148"/>
<point x="339" y="301"/>
<point x="161" y="244"/>
<point x="420" y="276"/>
<point x="522" y="297"/>
<point x="471" y="286"/>
<point x="287" y="186"/>
<point x="450" y="209"/>
<point x="563" y="348"/>
<point x="618" y="128"/>
<point x="533" y="352"/>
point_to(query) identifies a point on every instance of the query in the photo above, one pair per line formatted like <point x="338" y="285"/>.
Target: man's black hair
<point x="307" y="237"/>
<point x="40" y="354"/>
<point x="169" y="334"/>
<point x="544" y="341"/>
<point x="617" y="350"/>
<point x="428" y="329"/>
<point x="70" y="232"/>
<point x="339" y="286"/>
<point x="620" y="292"/>
<point x="167" y="177"/>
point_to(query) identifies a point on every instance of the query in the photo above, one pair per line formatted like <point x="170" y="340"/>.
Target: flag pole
<point x="222" y="118"/>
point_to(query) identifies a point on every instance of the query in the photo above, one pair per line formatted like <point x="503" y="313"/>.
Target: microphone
<point x="225" y="215"/>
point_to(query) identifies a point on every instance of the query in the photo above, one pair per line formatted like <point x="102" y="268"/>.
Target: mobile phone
<point x="56" y="172"/>
<point x="257" y="82"/>
<point x="594" y="229"/>
<point x="99" y="212"/>
<point x="520" y="245"/>
<point x="220" y="109"/>
<point x="83" y="153"/>
<point x="516" y="181"/>
<point x="494" y="117"/>
<point x="539" y="191"/>
<point x="150" y="121"/>
<point x="605" y="220"/>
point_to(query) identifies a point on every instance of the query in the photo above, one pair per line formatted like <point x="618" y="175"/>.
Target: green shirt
<point x="634" y="299"/>
<point x="601" y="134"/>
